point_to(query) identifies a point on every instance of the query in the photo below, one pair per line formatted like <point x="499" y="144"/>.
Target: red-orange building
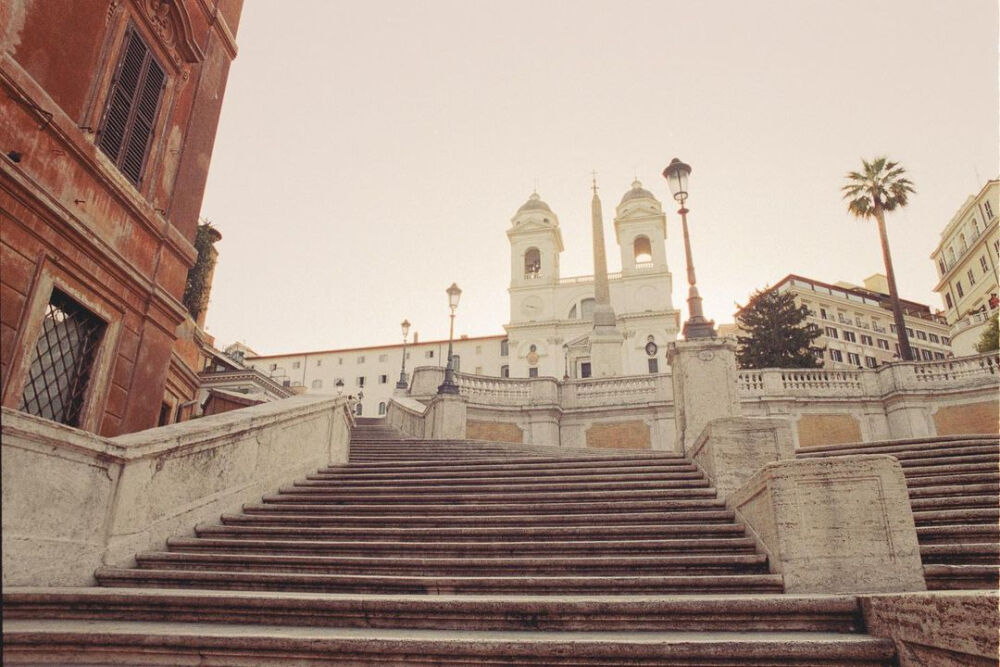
<point x="107" y="120"/>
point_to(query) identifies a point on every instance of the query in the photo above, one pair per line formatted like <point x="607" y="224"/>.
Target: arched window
<point x="642" y="250"/>
<point x="586" y="309"/>
<point x="572" y="313"/>
<point x="532" y="263"/>
<point x="381" y="408"/>
<point x="962" y="241"/>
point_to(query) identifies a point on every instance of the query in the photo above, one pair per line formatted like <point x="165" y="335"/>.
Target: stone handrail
<point x="628" y="390"/>
<point x="74" y="501"/>
<point x="934" y="372"/>
<point x="406" y="415"/>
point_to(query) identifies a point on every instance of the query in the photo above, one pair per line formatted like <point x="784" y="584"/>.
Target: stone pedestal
<point x="837" y="525"/>
<point x="731" y="450"/>
<point x="704" y="377"/>
<point x="445" y="418"/>
<point x="605" y="344"/>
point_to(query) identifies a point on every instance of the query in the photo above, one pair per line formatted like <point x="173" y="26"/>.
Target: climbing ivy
<point x="197" y="288"/>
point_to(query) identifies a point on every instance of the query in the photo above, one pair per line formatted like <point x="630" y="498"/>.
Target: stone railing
<point x="935" y="372"/>
<point x="626" y="390"/>
<point x="494" y="391"/>
<point x="406" y="415"/>
<point x="972" y="320"/>
<point x="872" y="383"/>
<point x="74" y="501"/>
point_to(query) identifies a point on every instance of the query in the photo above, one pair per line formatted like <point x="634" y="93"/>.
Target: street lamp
<point x="449" y="386"/>
<point x="402" y="384"/>
<point x="340" y="386"/>
<point x="696" y="326"/>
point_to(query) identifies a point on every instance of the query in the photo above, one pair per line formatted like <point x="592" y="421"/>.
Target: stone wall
<point x="496" y="431"/>
<point x="983" y="417"/>
<point x="73" y="501"/>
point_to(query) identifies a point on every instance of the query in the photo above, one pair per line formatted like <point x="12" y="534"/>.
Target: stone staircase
<point x="954" y="486"/>
<point x="454" y="552"/>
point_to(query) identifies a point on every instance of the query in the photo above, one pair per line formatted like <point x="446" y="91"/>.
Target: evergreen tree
<point x="989" y="341"/>
<point x="777" y="333"/>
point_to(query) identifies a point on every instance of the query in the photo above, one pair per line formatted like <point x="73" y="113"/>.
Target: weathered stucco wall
<point x="971" y="418"/>
<point x="73" y="501"/>
<point x="828" y="429"/>
<point x="495" y="431"/>
<point x="632" y="434"/>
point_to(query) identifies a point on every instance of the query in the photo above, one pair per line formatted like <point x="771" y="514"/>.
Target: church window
<point x="64" y="356"/>
<point x="586" y="309"/>
<point x="585" y="369"/>
<point x="654" y="365"/>
<point x="572" y="313"/>
<point x="126" y="132"/>
<point x="505" y="371"/>
<point x="532" y="263"/>
<point x="642" y="250"/>
<point x="504" y="348"/>
<point x="381" y="408"/>
<point x="533" y="372"/>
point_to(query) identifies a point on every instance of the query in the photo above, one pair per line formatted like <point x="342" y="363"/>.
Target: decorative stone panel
<point x="620" y="435"/>
<point x="970" y="418"/>
<point x="494" y="431"/>
<point x="828" y="429"/>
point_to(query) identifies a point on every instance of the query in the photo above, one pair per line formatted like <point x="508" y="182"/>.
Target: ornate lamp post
<point x="340" y="386"/>
<point x="402" y="384"/>
<point x="449" y="386"/>
<point x="696" y="325"/>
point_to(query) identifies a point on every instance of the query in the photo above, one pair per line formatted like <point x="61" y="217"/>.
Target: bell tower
<point x="641" y="232"/>
<point x="535" y="244"/>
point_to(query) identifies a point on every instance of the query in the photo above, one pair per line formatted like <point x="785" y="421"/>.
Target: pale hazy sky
<point x="370" y="153"/>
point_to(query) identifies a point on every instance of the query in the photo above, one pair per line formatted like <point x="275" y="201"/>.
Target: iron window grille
<point x="64" y="357"/>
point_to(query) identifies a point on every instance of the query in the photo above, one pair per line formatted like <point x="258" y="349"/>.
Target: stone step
<point x="456" y="520"/>
<point x="436" y="585"/>
<point x="975" y="553"/>
<point x="553" y="468"/>
<point x="954" y="516"/>
<point x="692" y="480"/>
<point x="488" y="509"/>
<point x="302" y="495"/>
<point x="906" y="444"/>
<point x="596" y="460"/>
<point x="952" y="534"/>
<point x="585" y="565"/>
<point x="564" y="474"/>
<point x="689" y="472"/>
<point x="967" y="577"/>
<point x="133" y="642"/>
<point x="479" y="534"/>
<point x="236" y="544"/>
<point x="950" y="458"/>
<point x="965" y="479"/>
<point x="953" y="490"/>
<point x="703" y="613"/>
<point x="920" y="472"/>
<point x="943" y="502"/>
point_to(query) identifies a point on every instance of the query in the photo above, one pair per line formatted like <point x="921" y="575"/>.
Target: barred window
<point x="133" y="104"/>
<point x="64" y="357"/>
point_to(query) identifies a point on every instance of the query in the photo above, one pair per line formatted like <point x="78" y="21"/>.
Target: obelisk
<point x="605" y="339"/>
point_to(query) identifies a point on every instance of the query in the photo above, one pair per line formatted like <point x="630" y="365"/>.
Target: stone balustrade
<point x="898" y="400"/>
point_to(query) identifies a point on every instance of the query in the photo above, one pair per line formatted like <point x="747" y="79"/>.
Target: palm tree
<point x="882" y="187"/>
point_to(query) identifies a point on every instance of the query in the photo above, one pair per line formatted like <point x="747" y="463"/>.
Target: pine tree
<point x="778" y="334"/>
<point x="989" y="341"/>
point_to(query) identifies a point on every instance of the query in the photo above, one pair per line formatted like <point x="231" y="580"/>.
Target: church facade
<point x="551" y="316"/>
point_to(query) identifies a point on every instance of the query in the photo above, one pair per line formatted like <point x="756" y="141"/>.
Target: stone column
<point x="704" y="379"/>
<point x="605" y="339"/>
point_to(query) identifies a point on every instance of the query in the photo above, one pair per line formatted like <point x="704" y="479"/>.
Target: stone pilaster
<point x="704" y="377"/>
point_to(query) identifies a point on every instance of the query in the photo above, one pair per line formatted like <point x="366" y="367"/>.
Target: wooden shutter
<point x="135" y="96"/>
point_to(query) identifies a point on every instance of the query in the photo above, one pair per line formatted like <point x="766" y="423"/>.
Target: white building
<point x="966" y="261"/>
<point x="857" y="324"/>
<point x="374" y="371"/>
<point x="550" y="315"/>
